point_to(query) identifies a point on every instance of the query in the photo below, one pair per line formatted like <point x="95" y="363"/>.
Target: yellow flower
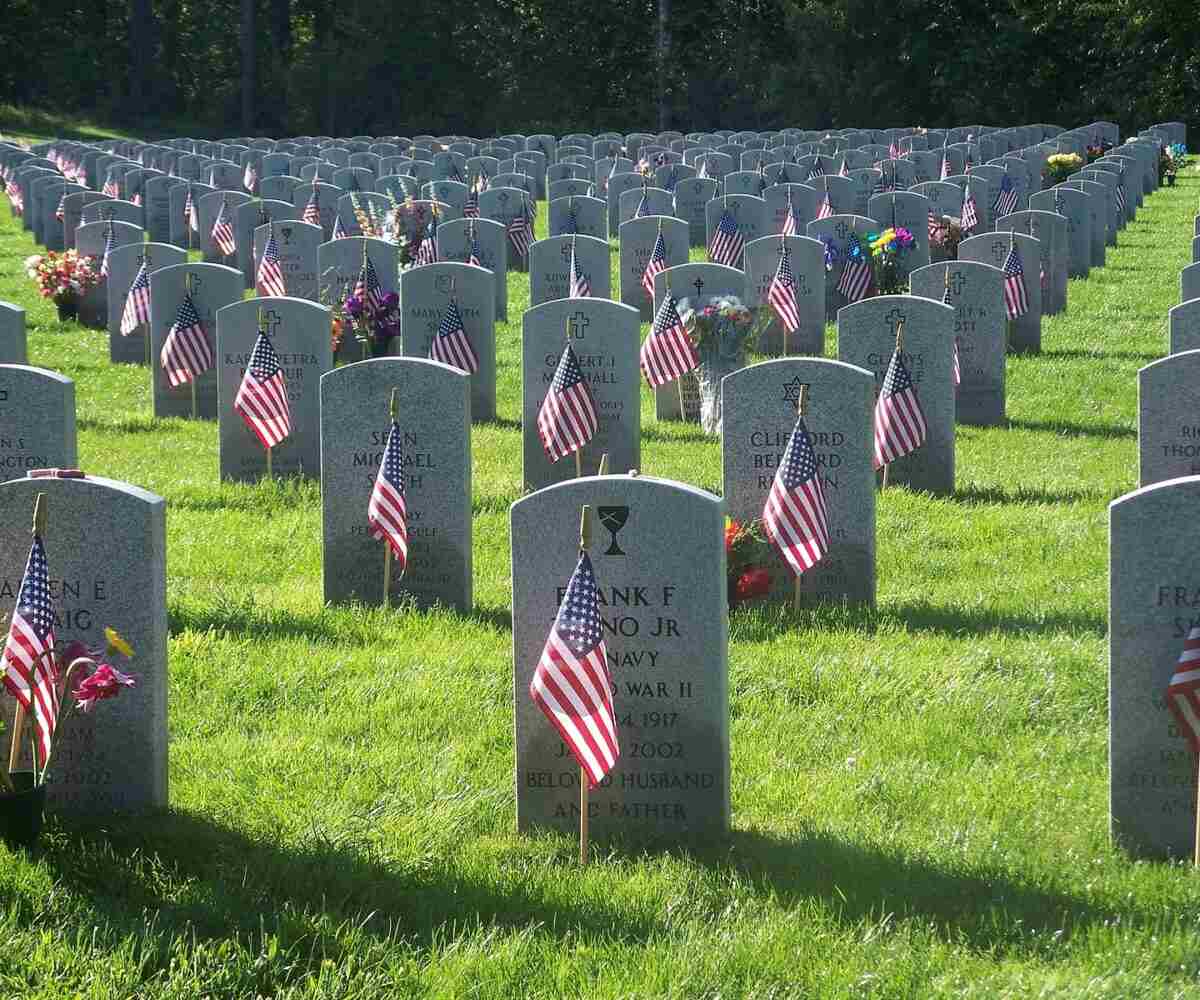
<point x="884" y="239"/>
<point x="115" y="642"/>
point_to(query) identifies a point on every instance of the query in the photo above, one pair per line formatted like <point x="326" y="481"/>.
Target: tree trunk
<point x="281" y="38"/>
<point x="141" y="56"/>
<point x="664" y="63"/>
<point x="249" y="67"/>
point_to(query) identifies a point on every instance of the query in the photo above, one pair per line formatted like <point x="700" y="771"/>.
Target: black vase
<point x="67" y="310"/>
<point x="21" y="811"/>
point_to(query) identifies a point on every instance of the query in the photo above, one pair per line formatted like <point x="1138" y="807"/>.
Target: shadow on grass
<point x="680" y="432"/>
<point x="1104" y="355"/>
<point x="1071" y="428"/>
<point x="209" y="881"/>
<point x="762" y="624"/>
<point x="985" y="908"/>
<point x="997" y="495"/>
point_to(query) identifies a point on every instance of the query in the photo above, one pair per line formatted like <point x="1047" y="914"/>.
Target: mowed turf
<point x="919" y="792"/>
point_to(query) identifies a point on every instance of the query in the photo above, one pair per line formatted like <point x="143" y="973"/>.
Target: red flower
<point x="105" y="682"/>
<point x="731" y="530"/>
<point x="752" y="583"/>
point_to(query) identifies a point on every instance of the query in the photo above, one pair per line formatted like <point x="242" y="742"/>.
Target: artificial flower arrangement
<point x="372" y="328"/>
<point x="63" y="277"/>
<point x="747" y="557"/>
<point x="888" y="249"/>
<point x="80" y="681"/>
<point x="1060" y="166"/>
<point x="1099" y="149"/>
<point x="947" y="236"/>
<point x="721" y="327"/>
<point x="1171" y="160"/>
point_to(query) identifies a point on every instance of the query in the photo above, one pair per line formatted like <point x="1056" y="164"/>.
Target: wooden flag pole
<point x="393" y="406"/>
<point x="40" y="513"/>
<point x="801" y="410"/>
<point x="585" y="537"/>
<point x="603" y="470"/>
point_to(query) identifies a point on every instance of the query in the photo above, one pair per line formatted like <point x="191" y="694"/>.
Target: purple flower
<point x="354" y="306"/>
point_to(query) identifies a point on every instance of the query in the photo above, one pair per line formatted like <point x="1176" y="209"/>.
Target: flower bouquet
<point x="1060" y="166"/>
<point x="747" y="558"/>
<point x="78" y="682"/>
<point x="721" y="329"/>
<point x="373" y="328"/>
<point x="1097" y="150"/>
<point x="945" y="238"/>
<point x="888" y="250"/>
<point x="1171" y="160"/>
<point x="63" y="277"/>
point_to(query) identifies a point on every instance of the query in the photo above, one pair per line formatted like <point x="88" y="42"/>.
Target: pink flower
<point x="105" y="682"/>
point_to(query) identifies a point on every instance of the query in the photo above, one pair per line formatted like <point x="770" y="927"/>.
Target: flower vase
<point x="67" y="309"/>
<point x="21" y="811"/>
<point x="709" y="373"/>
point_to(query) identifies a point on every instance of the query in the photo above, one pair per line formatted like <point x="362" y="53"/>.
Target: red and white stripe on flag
<point x="1183" y="693"/>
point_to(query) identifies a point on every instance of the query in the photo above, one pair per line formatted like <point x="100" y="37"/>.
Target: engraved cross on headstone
<point x="841" y="230"/>
<point x="270" y="321"/>
<point x="999" y="249"/>
<point x="958" y="281"/>
<point x="894" y="319"/>
<point x="578" y="324"/>
<point x="698" y="284"/>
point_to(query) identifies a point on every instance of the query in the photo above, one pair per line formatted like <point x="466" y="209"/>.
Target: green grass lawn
<point x="919" y="793"/>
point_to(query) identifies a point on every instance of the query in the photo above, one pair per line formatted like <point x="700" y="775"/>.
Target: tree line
<point x="288" y="67"/>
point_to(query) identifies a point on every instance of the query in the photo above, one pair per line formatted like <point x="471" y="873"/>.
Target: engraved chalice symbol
<point x="613" y="518"/>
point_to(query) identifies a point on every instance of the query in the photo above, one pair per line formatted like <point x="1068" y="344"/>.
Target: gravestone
<point x="209" y="208"/>
<point x="867" y="337"/>
<point x="281" y="187"/>
<point x="591" y="217"/>
<point x="213" y="286"/>
<point x="834" y="234"/>
<point x="691" y="204"/>
<point x="434" y="419"/>
<point x="455" y="244"/>
<point x="502" y="205"/>
<point x="749" y="212"/>
<point x="758" y="415"/>
<point x="300" y="333"/>
<point x="841" y="191"/>
<point x="340" y="261"/>
<point x="651" y="200"/>
<point x="1189" y="283"/>
<point x="13" y="343"/>
<point x="1050" y="230"/>
<point x="1114" y="217"/>
<point x="638" y="237"/>
<point x="807" y="261"/>
<point x="911" y="211"/>
<point x="1075" y="207"/>
<point x="123" y="266"/>
<point x="659" y="560"/>
<point x="73" y="214"/>
<point x="803" y="206"/>
<point x="158" y="207"/>
<point x="297" y="243"/>
<point x="1025" y="332"/>
<point x="980" y="329"/>
<point x="605" y="336"/>
<point x="691" y="281"/>
<point x="180" y="232"/>
<point x="550" y="267"/>
<point x="327" y="207"/>
<point x="1097" y="200"/>
<point x="37" y="421"/>
<point x="1152" y="599"/>
<point x="1168" y="428"/>
<point x="425" y="293"/>
<point x="106" y="549"/>
<point x="120" y="211"/>
<point x="1183" y="326"/>
<point x="89" y="242"/>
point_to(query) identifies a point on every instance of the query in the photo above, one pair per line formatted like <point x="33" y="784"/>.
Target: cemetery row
<point x="395" y="462"/>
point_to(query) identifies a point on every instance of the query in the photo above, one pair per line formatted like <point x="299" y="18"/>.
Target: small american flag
<point x="817" y="171"/>
<point x="1006" y="197"/>
<point x="137" y="302"/>
<point x="826" y="209"/>
<point x="111" y="189"/>
<point x="782" y="294"/>
<point x="1122" y="197"/>
<point x="668" y="352"/>
<point x="339" y="231"/>
<point x="451" y="345"/>
<point x="899" y="419"/>
<point x="580" y="284"/>
<point x="572" y="227"/>
<point x="856" y="273"/>
<point x="30" y="673"/>
<point x="655" y="265"/>
<point x="222" y="232"/>
<point x="725" y="247"/>
<point x="790" y="227"/>
<point x="427" y="252"/>
<point x="110" y="244"/>
<point x="843" y="170"/>
<point x="935" y="226"/>
<point x="136" y="198"/>
<point x="969" y="214"/>
<point x="894" y="150"/>
<point x="367" y="288"/>
<point x="571" y="684"/>
<point x="794" y="518"/>
<point x="703" y="173"/>
<point x="312" y="209"/>
<point x="641" y="211"/>
<point x="60" y="213"/>
<point x="262" y="398"/>
<point x="186" y="352"/>
<point x="270" y="269"/>
<point x="1016" y="296"/>
<point x="955" y="368"/>
<point x="474" y="256"/>
<point x="945" y="166"/>
<point x="250" y="178"/>
<point x="520" y="235"/>
<point x="567" y="419"/>
<point x="1182" y="692"/>
<point x="191" y="217"/>
<point x="387" y="511"/>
